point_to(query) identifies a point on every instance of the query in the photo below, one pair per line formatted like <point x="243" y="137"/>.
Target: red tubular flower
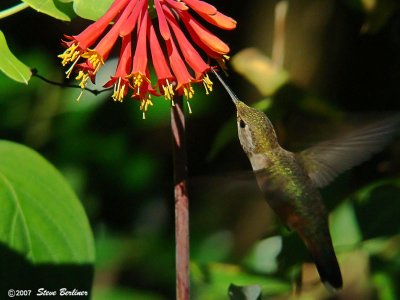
<point x="182" y="75"/>
<point x="120" y="79"/>
<point x="211" y="15"/>
<point x="79" y="44"/>
<point x="190" y="54"/>
<point x="161" y="67"/>
<point x="139" y="67"/>
<point x="174" y="55"/>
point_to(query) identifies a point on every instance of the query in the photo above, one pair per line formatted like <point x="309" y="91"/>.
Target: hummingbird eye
<point x="242" y="124"/>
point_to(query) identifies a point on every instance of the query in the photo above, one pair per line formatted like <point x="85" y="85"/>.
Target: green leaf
<point x="249" y="292"/>
<point x="43" y="227"/>
<point x="48" y="7"/>
<point x="385" y="286"/>
<point x="376" y="210"/>
<point x="224" y="274"/>
<point x="263" y="257"/>
<point x="259" y="70"/>
<point x="345" y="229"/>
<point x="91" y="9"/>
<point x="263" y="104"/>
<point x="216" y="247"/>
<point x="10" y="65"/>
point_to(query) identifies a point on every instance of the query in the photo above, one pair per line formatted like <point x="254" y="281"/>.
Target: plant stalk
<point x="13" y="10"/>
<point x="181" y="201"/>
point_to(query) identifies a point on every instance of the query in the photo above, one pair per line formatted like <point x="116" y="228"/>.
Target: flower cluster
<point x="172" y="51"/>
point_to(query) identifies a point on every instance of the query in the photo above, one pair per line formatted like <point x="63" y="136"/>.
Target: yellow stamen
<point x="222" y="62"/>
<point x="71" y="54"/>
<point x="188" y="91"/>
<point x="208" y="84"/>
<point x="95" y="59"/>
<point x="84" y="77"/>
<point x="144" y="106"/>
<point x="69" y="71"/>
<point x="168" y="91"/>
<point x="190" y="109"/>
<point x="137" y="81"/>
<point x="80" y="95"/>
<point x="119" y="91"/>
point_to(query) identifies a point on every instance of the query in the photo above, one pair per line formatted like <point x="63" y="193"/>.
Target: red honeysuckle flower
<point x="173" y="54"/>
<point x="139" y="68"/>
<point x="79" y="44"/>
<point x="161" y="67"/>
<point x="120" y="80"/>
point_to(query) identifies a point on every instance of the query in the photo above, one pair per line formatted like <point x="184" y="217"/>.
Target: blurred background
<point x="339" y="66"/>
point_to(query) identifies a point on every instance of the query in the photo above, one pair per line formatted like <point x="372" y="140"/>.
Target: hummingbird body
<point x="290" y="181"/>
<point x="291" y="194"/>
<point x="288" y="190"/>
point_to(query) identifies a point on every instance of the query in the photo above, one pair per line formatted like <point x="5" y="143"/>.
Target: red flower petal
<point x="140" y="57"/>
<point x="178" y="66"/>
<point x="209" y="39"/>
<point x="131" y="22"/>
<point x="159" y="62"/>
<point x="105" y="45"/>
<point x="192" y="57"/>
<point x="200" y="6"/>
<point x="87" y="37"/>
<point x="220" y="20"/>
<point x="162" y="22"/>
<point x="119" y="80"/>
<point x="125" y="57"/>
<point x="184" y="64"/>
<point x="176" y="5"/>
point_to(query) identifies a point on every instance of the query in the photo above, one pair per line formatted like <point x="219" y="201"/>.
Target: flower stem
<point x="13" y="10"/>
<point x="181" y="201"/>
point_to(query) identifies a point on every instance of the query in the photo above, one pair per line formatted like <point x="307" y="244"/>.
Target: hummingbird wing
<point x="324" y="161"/>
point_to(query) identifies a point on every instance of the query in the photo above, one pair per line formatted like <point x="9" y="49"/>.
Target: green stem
<point x="13" y="10"/>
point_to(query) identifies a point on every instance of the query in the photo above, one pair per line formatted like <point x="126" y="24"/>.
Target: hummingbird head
<point x="256" y="133"/>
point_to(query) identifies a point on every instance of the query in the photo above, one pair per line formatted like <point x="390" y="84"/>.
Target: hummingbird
<point x="290" y="181"/>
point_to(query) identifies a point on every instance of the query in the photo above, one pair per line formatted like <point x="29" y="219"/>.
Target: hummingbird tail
<point x="327" y="265"/>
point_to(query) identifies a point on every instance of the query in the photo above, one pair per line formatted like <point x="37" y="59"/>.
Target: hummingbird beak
<point x="235" y="99"/>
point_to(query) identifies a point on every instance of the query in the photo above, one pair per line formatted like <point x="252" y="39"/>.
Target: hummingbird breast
<point x="289" y="191"/>
<point x="291" y="194"/>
